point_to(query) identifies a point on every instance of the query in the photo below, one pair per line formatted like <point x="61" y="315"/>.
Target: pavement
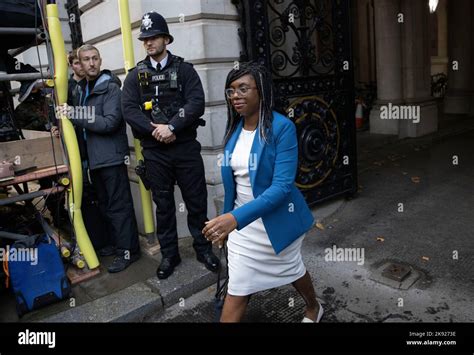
<point x="134" y="295"/>
<point x="437" y="207"/>
<point x="130" y="295"/>
<point x="431" y="236"/>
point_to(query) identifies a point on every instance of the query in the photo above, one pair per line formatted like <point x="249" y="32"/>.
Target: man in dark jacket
<point x="77" y="73"/>
<point x="163" y="101"/>
<point x="97" y="115"/>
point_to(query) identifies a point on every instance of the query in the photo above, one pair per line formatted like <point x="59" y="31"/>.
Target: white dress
<point x="253" y="264"/>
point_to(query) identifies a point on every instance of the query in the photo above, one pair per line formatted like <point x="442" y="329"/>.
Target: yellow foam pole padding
<point x="69" y="137"/>
<point x="129" y="60"/>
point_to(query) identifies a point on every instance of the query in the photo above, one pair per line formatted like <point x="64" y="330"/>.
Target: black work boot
<point x="122" y="261"/>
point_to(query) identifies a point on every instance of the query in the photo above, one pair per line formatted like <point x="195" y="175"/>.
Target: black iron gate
<point x="307" y="45"/>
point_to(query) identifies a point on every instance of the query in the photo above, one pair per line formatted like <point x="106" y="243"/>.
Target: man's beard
<point x="156" y="52"/>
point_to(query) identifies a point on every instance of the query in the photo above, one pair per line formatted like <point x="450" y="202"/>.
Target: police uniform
<point x="171" y="95"/>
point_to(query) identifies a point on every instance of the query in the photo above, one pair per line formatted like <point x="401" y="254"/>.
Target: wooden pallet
<point x="150" y="249"/>
<point x="76" y="275"/>
<point x="37" y="152"/>
<point x="35" y="175"/>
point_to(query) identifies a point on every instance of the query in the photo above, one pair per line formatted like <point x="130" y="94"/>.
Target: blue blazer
<point x="277" y="201"/>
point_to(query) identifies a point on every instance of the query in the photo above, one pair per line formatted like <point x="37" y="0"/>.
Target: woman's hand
<point x="217" y="229"/>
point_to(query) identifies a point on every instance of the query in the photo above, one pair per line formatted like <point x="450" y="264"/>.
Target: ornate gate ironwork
<point x="307" y="46"/>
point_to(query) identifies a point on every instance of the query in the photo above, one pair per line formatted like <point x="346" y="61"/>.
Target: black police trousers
<point x="179" y="163"/>
<point x="112" y="187"/>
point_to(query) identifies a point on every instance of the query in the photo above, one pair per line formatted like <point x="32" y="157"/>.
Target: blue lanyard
<point x="86" y="95"/>
<point x="85" y="163"/>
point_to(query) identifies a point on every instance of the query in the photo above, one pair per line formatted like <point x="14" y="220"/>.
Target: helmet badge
<point x="147" y="22"/>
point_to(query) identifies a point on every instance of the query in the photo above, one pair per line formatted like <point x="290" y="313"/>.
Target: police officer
<point x="163" y="100"/>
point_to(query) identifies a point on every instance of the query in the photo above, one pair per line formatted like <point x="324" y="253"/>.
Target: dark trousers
<point x="179" y="163"/>
<point x="115" y="203"/>
<point x="95" y="223"/>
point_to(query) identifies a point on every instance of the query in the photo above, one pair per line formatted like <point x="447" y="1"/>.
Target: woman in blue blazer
<point x="265" y="216"/>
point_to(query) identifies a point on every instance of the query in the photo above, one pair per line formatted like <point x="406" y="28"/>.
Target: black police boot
<point x="210" y="261"/>
<point x="121" y="262"/>
<point x="167" y="266"/>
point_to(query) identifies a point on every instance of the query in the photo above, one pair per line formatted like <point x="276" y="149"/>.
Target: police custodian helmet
<point x="153" y="24"/>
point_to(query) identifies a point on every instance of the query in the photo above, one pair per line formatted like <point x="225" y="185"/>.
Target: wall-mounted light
<point x="433" y="4"/>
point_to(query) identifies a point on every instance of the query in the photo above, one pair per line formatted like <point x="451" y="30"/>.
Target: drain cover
<point x="397" y="272"/>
